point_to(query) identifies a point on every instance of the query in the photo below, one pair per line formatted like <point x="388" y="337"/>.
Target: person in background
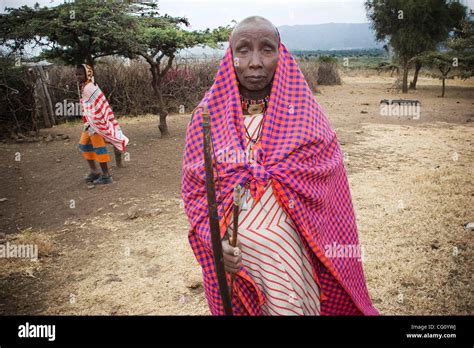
<point x="100" y="128"/>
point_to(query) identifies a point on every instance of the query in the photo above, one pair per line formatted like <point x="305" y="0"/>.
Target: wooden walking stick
<point x="233" y="241"/>
<point x="213" y="214"/>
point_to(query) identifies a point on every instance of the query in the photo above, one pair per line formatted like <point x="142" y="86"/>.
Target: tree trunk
<point x="444" y="74"/>
<point x="415" y="77"/>
<point x="156" y="82"/>
<point x="394" y="69"/>
<point x="163" y="126"/>
<point x="405" y="78"/>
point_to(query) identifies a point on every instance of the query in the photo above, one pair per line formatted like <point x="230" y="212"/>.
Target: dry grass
<point x="139" y="266"/>
<point x="412" y="200"/>
<point x="42" y="240"/>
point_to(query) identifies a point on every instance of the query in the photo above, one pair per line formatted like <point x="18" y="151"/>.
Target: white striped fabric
<point x="273" y="253"/>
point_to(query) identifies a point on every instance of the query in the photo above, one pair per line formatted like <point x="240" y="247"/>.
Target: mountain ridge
<point x="328" y="36"/>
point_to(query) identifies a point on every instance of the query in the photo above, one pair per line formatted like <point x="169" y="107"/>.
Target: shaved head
<point x="252" y="22"/>
<point x="254" y="43"/>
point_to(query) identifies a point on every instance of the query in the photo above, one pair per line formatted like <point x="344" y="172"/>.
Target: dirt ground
<point x="123" y="249"/>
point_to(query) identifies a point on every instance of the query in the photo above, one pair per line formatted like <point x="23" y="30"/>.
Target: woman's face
<point x="80" y="75"/>
<point x="255" y="53"/>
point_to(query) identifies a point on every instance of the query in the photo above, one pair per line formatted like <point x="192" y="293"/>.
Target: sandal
<point x="91" y="177"/>
<point x="103" y="179"/>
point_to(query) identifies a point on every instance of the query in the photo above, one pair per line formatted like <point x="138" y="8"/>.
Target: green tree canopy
<point x="84" y="30"/>
<point x="413" y="26"/>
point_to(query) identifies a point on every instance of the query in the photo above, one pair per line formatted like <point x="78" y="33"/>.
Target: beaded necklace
<point x="255" y="107"/>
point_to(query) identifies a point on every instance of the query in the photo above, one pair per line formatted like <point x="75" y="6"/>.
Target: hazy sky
<point x="213" y="13"/>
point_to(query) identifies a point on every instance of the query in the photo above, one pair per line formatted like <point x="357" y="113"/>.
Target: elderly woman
<point x="271" y="137"/>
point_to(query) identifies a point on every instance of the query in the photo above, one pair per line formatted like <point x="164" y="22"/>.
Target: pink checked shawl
<point x="300" y="152"/>
<point x="97" y="112"/>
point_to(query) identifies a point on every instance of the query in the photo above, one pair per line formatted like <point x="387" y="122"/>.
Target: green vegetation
<point x="412" y="27"/>
<point x="85" y="30"/>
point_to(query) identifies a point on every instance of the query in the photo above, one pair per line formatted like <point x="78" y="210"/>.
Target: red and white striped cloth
<point x="98" y="114"/>
<point x="273" y="253"/>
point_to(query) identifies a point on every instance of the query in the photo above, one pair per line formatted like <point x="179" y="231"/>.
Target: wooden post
<point x="47" y="96"/>
<point x="40" y="105"/>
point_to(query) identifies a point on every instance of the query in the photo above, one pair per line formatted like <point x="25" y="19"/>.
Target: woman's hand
<point x="232" y="257"/>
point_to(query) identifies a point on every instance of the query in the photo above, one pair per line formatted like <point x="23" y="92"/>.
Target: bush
<point x="127" y="85"/>
<point x="309" y="68"/>
<point x="328" y="73"/>
<point x="16" y="100"/>
<point x="321" y="71"/>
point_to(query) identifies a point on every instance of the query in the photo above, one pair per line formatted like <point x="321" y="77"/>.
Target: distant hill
<point x="329" y="36"/>
<point x="312" y="37"/>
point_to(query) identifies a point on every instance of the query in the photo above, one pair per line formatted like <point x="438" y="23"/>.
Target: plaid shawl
<point x="97" y="112"/>
<point x="300" y="153"/>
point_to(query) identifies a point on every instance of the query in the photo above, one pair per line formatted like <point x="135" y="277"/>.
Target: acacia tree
<point x="413" y="26"/>
<point x="85" y="30"/>
<point x="458" y="60"/>
<point x="14" y="35"/>
<point x="464" y="37"/>
<point x="444" y="62"/>
<point x="76" y="32"/>
<point x="158" y="39"/>
<point x="462" y="43"/>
